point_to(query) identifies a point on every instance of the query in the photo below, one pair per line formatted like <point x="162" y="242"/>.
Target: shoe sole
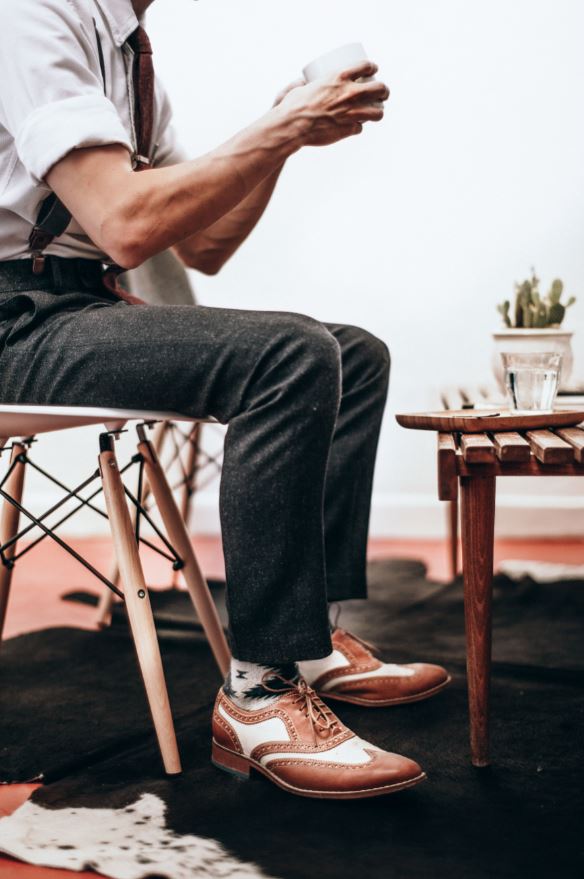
<point x="241" y="767"/>
<point x="386" y="703"/>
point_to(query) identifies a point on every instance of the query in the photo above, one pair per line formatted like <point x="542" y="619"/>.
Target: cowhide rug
<point x="72" y="712"/>
<point x="126" y="843"/>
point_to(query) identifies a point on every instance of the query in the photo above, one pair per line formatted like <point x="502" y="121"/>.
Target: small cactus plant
<point x="531" y="309"/>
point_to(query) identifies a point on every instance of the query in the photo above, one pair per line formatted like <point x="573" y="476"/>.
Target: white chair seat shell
<point x="22" y="421"/>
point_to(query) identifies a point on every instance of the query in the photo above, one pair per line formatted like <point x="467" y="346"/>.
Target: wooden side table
<point x="478" y="397"/>
<point x="468" y="466"/>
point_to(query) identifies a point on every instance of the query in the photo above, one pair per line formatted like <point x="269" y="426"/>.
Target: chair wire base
<point x="106" y="443"/>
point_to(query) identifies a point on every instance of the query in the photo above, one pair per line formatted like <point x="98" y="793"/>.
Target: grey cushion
<point x="161" y="280"/>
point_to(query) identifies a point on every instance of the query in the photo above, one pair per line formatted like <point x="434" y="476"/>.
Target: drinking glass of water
<point x="532" y="380"/>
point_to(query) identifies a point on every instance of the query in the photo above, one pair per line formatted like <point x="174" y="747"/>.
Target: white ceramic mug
<point x="342" y="58"/>
<point x="333" y="62"/>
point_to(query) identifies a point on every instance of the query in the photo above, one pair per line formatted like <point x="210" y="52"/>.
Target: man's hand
<point x="331" y="109"/>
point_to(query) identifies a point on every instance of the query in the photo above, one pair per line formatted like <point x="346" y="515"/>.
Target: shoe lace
<point x="322" y="720"/>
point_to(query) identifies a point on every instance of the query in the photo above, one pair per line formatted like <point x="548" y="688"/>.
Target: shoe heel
<point x="229" y="762"/>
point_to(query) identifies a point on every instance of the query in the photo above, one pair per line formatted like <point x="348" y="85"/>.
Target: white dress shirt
<point x="52" y="101"/>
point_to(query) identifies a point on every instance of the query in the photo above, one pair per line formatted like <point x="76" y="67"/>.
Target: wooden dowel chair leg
<point x="179" y="537"/>
<point x="106" y="602"/>
<point x="138" y="607"/>
<point x="188" y="489"/>
<point x="478" y="534"/>
<point x="9" y="520"/>
<point x="108" y="598"/>
<point x="190" y="467"/>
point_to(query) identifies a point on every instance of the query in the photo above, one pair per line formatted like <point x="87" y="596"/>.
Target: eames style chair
<point x="18" y="427"/>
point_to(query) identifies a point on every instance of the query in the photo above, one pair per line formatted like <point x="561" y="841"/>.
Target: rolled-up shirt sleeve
<point x="57" y="103"/>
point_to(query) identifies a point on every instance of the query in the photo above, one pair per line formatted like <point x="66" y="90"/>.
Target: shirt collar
<point x="121" y="18"/>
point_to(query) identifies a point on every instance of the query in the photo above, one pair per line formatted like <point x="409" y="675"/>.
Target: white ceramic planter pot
<point x="510" y="341"/>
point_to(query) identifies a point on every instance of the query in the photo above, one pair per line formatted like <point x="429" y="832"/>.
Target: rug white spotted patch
<point x="540" y="572"/>
<point x="129" y="843"/>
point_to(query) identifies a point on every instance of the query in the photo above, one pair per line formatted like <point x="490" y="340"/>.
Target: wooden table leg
<point x="453" y="537"/>
<point x="478" y="534"/>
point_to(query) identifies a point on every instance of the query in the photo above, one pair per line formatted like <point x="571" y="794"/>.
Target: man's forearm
<point x="196" y="195"/>
<point x="209" y="250"/>
<point x="132" y="216"/>
<point x="141" y="214"/>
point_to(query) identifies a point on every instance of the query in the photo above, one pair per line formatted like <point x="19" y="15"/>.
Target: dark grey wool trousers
<point x="303" y="401"/>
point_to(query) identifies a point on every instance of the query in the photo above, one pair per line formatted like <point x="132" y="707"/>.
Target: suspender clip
<point x="38" y="263"/>
<point x="140" y="163"/>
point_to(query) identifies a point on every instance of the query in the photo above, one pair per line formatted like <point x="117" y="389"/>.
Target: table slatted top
<point x="543" y="452"/>
<point x="556" y="447"/>
<point x="557" y="452"/>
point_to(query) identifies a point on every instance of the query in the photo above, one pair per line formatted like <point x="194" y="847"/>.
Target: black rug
<point x="67" y="694"/>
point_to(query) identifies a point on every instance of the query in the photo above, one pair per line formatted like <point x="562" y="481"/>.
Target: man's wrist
<point x="288" y="130"/>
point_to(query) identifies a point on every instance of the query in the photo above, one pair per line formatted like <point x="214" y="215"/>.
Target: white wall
<point x="416" y="229"/>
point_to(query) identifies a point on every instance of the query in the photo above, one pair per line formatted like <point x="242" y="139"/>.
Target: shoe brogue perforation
<point x="229" y="732"/>
<point x="343" y="670"/>
<point x="250" y="718"/>
<point x="301" y="747"/>
<point x="321" y="764"/>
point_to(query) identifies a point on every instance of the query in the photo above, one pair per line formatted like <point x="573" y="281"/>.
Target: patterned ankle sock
<point x="253" y="686"/>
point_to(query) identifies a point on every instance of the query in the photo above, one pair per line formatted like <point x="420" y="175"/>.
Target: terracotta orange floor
<point x="44" y="574"/>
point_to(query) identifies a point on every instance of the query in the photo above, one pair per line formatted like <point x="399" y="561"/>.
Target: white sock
<point x="311" y="669"/>
<point x="253" y="686"/>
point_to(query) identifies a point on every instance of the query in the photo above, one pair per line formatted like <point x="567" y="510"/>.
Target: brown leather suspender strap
<point x="52" y="221"/>
<point x="143" y="77"/>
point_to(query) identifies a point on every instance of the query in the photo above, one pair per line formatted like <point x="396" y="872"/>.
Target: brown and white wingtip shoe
<point x="299" y="744"/>
<point x="360" y="678"/>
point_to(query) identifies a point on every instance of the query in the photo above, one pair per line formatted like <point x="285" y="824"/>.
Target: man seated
<point x="80" y="115"/>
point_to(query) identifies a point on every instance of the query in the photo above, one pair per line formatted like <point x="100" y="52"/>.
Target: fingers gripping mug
<point x="336" y="61"/>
